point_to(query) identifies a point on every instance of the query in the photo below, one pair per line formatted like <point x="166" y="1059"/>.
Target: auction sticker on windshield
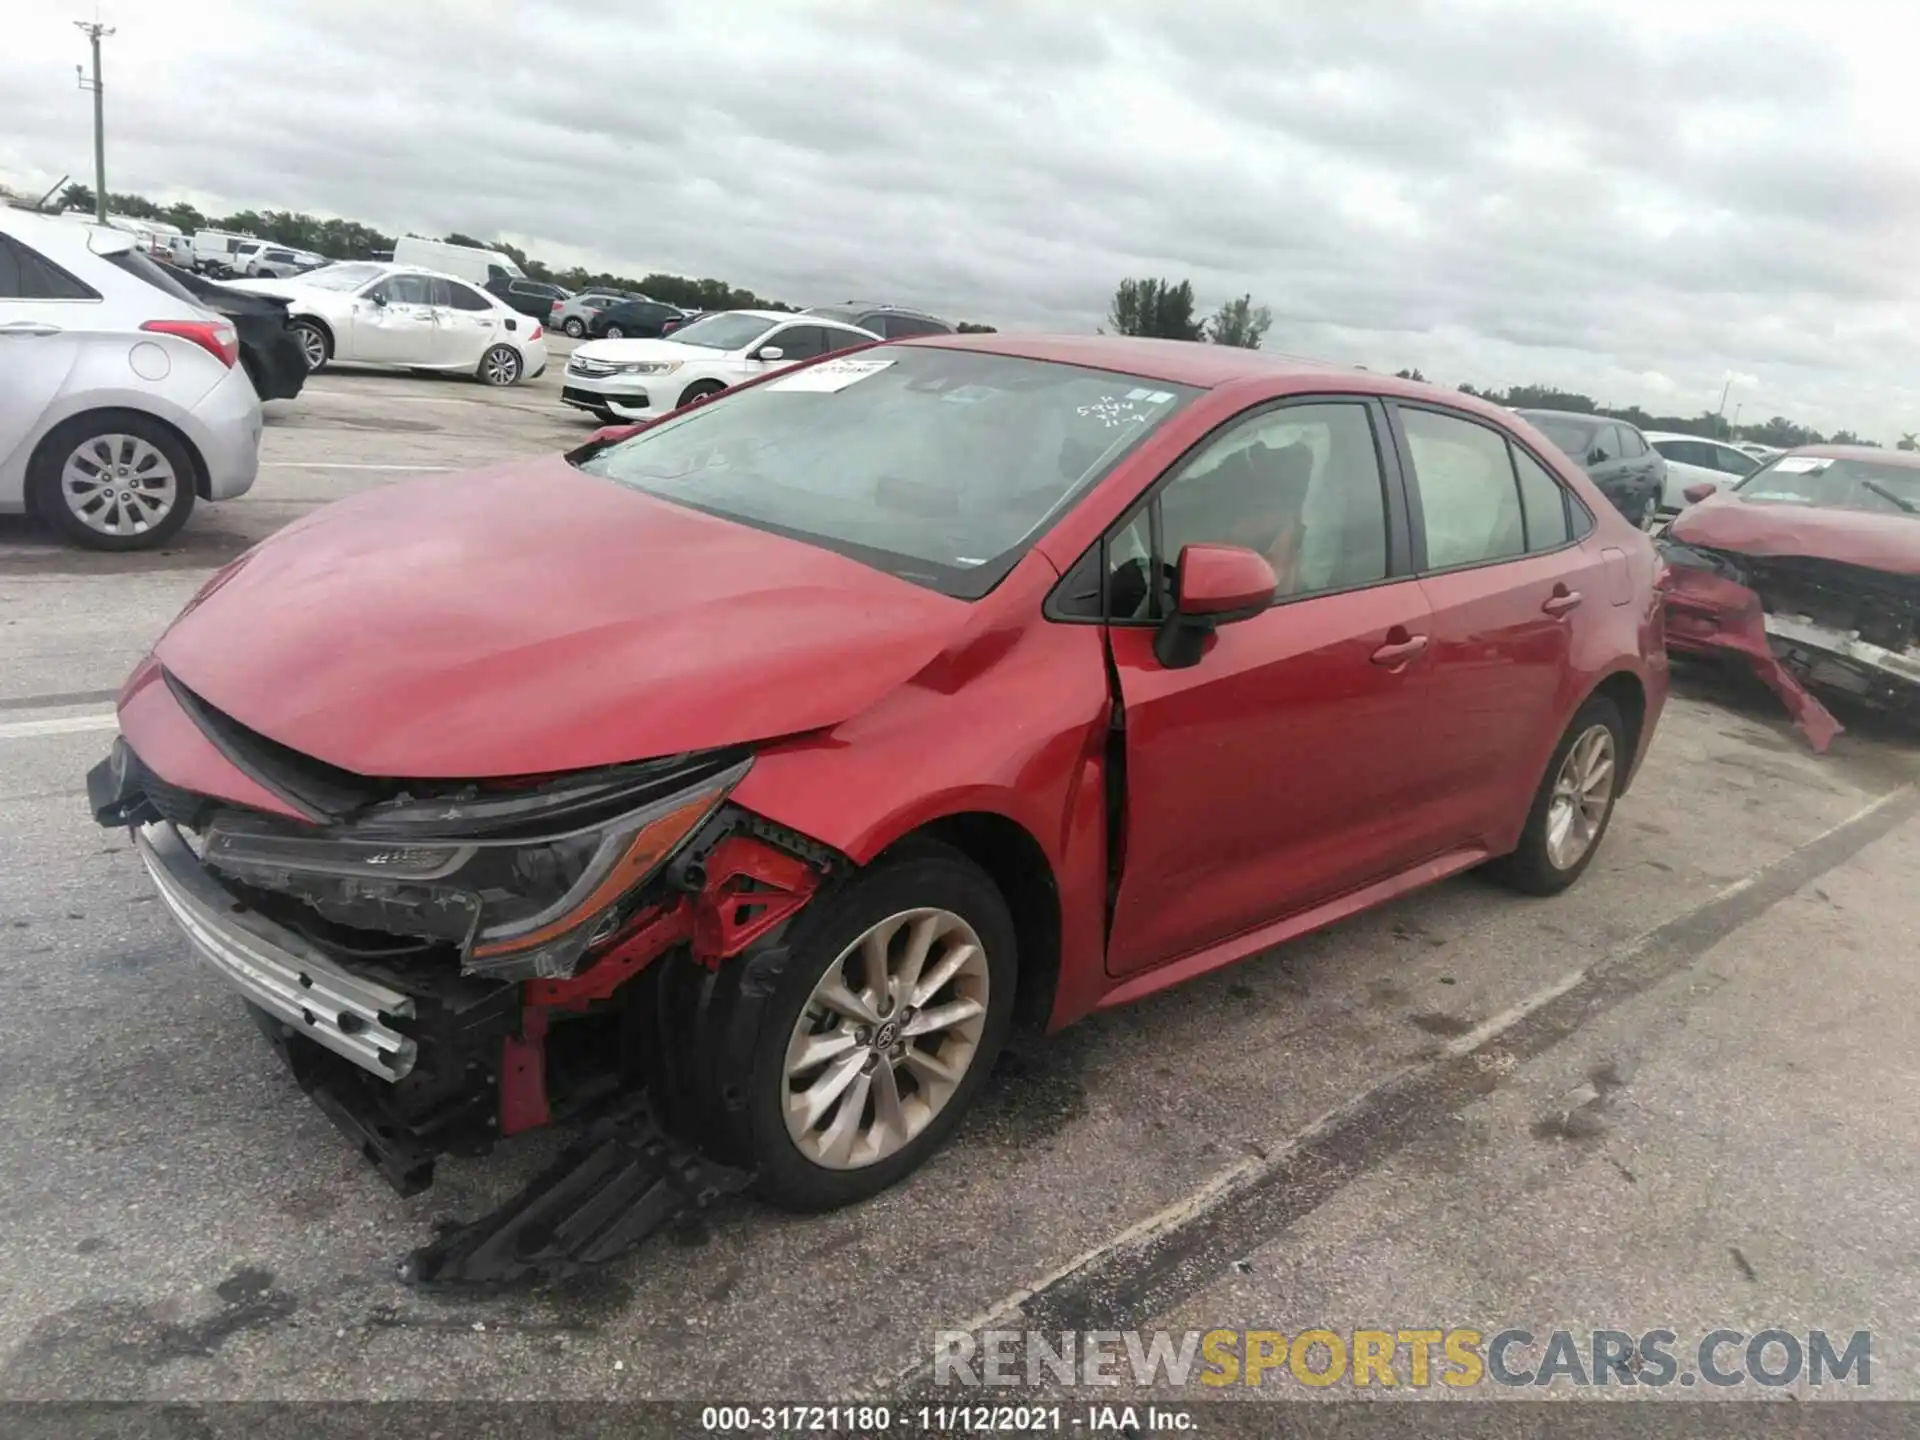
<point x="830" y="375"/>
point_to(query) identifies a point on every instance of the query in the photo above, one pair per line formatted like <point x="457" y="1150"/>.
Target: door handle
<point x="1561" y="601"/>
<point x="29" y="327"/>
<point x="1398" y="652"/>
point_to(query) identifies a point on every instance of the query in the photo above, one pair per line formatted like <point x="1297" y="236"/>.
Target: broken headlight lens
<point x="519" y="908"/>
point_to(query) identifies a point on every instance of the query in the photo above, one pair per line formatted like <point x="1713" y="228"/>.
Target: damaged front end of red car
<point x="442" y="964"/>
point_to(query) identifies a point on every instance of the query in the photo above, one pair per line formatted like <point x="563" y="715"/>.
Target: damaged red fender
<point x="748" y="888"/>
<point x="1708" y="614"/>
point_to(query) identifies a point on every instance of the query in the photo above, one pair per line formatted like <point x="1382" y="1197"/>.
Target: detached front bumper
<point x="274" y="968"/>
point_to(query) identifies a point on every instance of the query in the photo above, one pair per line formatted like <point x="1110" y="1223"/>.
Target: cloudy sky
<point x="1637" y="199"/>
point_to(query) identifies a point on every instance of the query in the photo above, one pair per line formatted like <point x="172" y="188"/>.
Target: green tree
<point x="1414" y="374"/>
<point x="1240" y="323"/>
<point x="77" y="197"/>
<point x="1155" y="307"/>
<point x="969" y="327"/>
<point x="1907" y="441"/>
<point x="185" y="216"/>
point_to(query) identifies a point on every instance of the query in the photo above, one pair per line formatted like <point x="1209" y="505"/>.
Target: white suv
<point x="120" y="402"/>
<point x="639" y="379"/>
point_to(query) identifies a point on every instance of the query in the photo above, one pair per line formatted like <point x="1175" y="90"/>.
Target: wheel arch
<point x="1629" y="695"/>
<point x="1015" y="861"/>
<point x="202" y="478"/>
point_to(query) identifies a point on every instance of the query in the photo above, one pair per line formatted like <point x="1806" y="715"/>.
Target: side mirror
<point x="1596" y="456"/>
<point x="769" y="352"/>
<point x="1213" y="585"/>
<point x="1698" y="491"/>
<point x="378" y="301"/>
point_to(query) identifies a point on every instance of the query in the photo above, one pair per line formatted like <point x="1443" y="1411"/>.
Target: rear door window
<point x="464" y="297"/>
<point x="799" y="342"/>
<point x="1543" y="504"/>
<point x="26" y="274"/>
<point x="1469" y="497"/>
<point x="903" y="325"/>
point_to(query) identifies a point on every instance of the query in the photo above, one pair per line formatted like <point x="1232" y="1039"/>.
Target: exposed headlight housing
<point x="524" y="883"/>
<point x="650" y="367"/>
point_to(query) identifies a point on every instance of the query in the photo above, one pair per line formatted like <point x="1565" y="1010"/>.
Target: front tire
<point x="1573" y="806"/>
<point x="315" y="345"/>
<point x="614" y="332"/>
<point x="834" y="1063"/>
<point x="113" y="480"/>
<point x="700" y="390"/>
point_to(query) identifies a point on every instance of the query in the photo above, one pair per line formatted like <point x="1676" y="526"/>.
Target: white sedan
<point x="1692" y="459"/>
<point x="370" y="313"/>
<point x="635" y="379"/>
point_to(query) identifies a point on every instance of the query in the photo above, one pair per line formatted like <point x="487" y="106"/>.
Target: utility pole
<point x="94" y="30"/>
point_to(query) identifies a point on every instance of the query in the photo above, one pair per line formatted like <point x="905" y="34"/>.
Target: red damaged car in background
<point x="1808" y="571"/>
<point x="740" y="781"/>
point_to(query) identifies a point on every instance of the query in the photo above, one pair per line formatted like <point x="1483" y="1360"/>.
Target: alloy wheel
<point x="885" y="1039"/>
<point x="574" y="328"/>
<point x="313" y="345"/>
<point x="614" y="332"/>
<point x="1582" y="793"/>
<point x="501" y="366"/>
<point x="119" y="485"/>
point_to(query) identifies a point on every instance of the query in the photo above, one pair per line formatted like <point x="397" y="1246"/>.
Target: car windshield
<point x="939" y="466"/>
<point x="729" y="330"/>
<point x="342" y="277"/>
<point x="1877" y="486"/>
<point x="1574" y="437"/>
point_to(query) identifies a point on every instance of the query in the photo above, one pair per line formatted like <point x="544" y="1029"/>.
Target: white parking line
<point x="65" y="725"/>
<point x="341" y="465"/>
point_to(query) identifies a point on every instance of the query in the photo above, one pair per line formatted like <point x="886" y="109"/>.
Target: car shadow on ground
<point x="29" y="548"/>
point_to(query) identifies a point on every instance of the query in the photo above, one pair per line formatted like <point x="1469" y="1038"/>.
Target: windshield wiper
<point x="1886" y="494"/>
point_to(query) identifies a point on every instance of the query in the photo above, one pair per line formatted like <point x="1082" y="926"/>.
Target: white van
<point x="463" y="262"/>
<point x="213" y="250"/>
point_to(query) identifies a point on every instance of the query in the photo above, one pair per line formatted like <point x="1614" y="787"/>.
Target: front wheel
<point x="614" y="332"/>
<point x="500" y="366"/>
<point x="700" y="390"/>
<point x="1573" y="805"/>
<point x="835" y="1064"/>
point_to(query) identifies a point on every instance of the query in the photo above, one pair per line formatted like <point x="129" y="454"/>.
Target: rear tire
<point x="1569" y="806"/>
<point x="729" y="1050"/>
<point x="574" y="327"/>
<point x="79" y="487"/>
<point x="499" y="367"/>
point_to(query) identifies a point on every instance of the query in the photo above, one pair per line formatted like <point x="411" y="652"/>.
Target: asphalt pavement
<point x="1678" y="1096"/>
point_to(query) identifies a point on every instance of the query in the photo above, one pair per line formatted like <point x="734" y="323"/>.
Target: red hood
<point x="1852" y="537"/>
<point x="530" y="618"/>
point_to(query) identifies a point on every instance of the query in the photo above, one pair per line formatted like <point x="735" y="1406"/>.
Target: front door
<point x="394" y="324"/>
<point x="1270" y="775"/>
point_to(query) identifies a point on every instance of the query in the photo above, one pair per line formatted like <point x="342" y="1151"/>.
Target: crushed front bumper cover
<point x="284" y="975"/>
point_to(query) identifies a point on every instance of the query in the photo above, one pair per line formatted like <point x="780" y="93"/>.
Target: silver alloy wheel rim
<point x="1582" y="791"/>
<point x="313" y="345"/>
<point x="885" y="1039"/>
<point x="119" y="485"/>
<point x="614" y="332"/>
<point x="501" y="367"/>
<point x="574" y="328"/>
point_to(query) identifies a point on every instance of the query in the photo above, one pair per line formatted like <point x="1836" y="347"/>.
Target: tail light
<point x="555" y="308"/>
<point x="537" y="331"/>
<point x="216" y="337"/>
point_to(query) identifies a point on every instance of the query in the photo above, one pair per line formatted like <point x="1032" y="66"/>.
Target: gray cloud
<point x="1601" y="197"/>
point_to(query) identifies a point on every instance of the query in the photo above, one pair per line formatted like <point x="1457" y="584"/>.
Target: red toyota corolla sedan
<point x="773" y="760"/>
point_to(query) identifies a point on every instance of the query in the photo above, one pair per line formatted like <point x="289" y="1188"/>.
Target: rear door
<point x="468" y="323"/>
<point x="1275" y="772"/>
<point x="46" y="314"/>
<point x="1508" y="584"/>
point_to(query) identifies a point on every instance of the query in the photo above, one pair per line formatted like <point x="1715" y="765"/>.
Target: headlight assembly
<point x="521" y="899"/>
<point x="650" y="367"/>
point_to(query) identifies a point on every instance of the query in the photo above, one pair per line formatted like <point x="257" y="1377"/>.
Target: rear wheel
<point x="833" y="1064"/>
<point x="112" y="480"/>
<point x="500" y="366"/>
<point x="1573" y="805"/>
<point x="574" y="327"/>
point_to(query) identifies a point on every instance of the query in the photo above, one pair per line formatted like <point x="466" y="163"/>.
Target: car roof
<point x="73" y="231"/>
<point x="1908" y="458"/>
<point x="1678" y="435"/>
<point x="1195" y="363"/>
